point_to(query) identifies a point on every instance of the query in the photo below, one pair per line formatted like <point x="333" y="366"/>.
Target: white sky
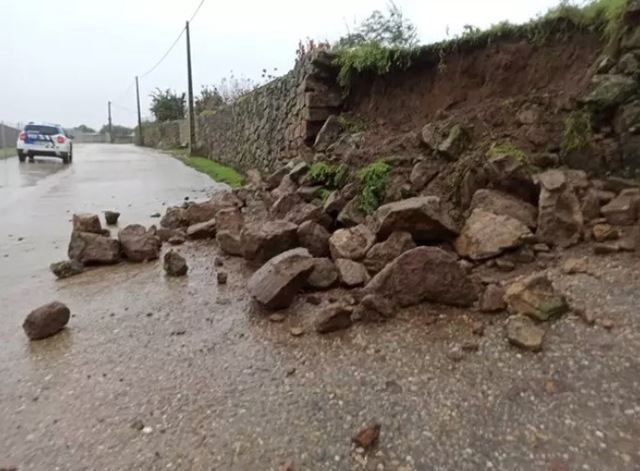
<point x="62" y="60"/>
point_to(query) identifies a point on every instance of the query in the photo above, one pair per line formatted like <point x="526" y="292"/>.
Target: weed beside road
<point x="218" y="172"/>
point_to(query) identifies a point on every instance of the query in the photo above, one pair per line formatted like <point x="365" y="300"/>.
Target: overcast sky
<point x="63" y="60"/>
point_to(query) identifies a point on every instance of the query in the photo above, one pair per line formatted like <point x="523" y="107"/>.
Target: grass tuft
<point x="217" y="171"/>
<point x="331" y="177"/>
<point x="578" y="133"/>
<point x="373" y="184"/>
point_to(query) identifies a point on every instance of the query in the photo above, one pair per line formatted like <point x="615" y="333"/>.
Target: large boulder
<point x="422" y="174"/>
<point x="383" y="253"/>
<point x="486" y="235"/>
<point x="504" y="204"/>
<point x="624" y="209"/>
<point x="229" y="224"/>
<point x="314" y="238"/>
<point x="276" y="283"/>
<point x="66" y="268"/>
<point x="534" y="296"/>
<point x="424" y="217"/>
<point x="352" y="214"/>
<point x="139" y="244"/>
<point x="46" y="321"/>
<point x="174" y="218"/>
<point x="86" y="222"/>
<point x="609" y="91"/>
<point x="202" y="230"/>
<point x="93" y="249"/>
<point x="352" y="243"/>
<point x="334" y="318"/>
<point x="455" y="143"/>
<point x="511" y="174"/>
<point x="324" y="274"/>
<point x="560" y="220"/>
<point x="308" y="212"/>
<point x="351" y="273"/>
<point x="262" y="241"/>
<point x="424" y="274"/>
<point x="284" y="204"/>
<point x="175" y="264"/>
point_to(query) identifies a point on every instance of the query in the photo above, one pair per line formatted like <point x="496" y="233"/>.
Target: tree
<point x="209" y="99"/>
<point x="85" y="129"/>
<point x="389" y="29"/>
<point x="116" y="130"/>
<point x="167" y="105"/>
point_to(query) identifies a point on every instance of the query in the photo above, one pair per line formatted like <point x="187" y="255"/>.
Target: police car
<point x="43" y="139"/>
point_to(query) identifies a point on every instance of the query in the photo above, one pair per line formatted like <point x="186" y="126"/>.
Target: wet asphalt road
<point x="182" y="374"/>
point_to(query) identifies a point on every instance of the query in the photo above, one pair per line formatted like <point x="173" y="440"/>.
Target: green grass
<point x="577" y="132"/>
<point x="218" y="172"/>
<point x="332" y="177"/>
<point x="373" y="184"/>
<point x="7" y="152"/>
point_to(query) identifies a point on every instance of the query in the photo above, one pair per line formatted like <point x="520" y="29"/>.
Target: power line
<point x="164" y="56"/>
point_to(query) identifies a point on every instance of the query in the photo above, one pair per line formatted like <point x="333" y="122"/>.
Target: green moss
<point x="323" y="194"/>
<point x="373" y="184"/>
<point x="577" y="133"/>
<point x="327" y="175"/>
<point x="507" y="148"/>
<point x="218" y="172"/>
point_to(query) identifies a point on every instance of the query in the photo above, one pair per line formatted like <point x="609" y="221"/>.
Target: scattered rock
<point x="218" y="262"/>
<point x="202" y="230"/>
<point x="604" y="232"/>
<point x="524" y="333"/>
<point x="505" y="265"/>
<point x="262" y="241"/>
<point x="492" y="299"/>
<point x="86" y="222"/>
<point x="328" y="134"/>
<point x="455" y="143"/>
<point x="66" y="268"/>
<point x="296" y="331"/>
<point x="606" y="248"/>
<point x="111" y="217"/>
<point x="93" y="249"/>
<point x="334" y="318"/>
<point x="351" y="273"/>
<point x="424" y="274"/>
<point x="504" y="204"/>
<point x="324" y="274"/>
<point x="164" y="234"/>
<point x="139" y="244"/>
<point x="298" y="171"/>
<point x="574" y="266"/>
<point x="541" y="248"/>
<point x="174" y="218"/>
<point x="352" y="243"/>
<point x="230" y="242"/>
<point x="424" y="217"/>
<point x="374" y="308"/>
<point x="274" y="180"/>
<point x="486" y="235"/>
<point x="368" y="436"/>
<point x="422" y="174"/>
<point x="623" y="210"/>
<point x="383" y="253"/>
<point x="176" y="240"/>
<point x="46" y="321"/>
<point x="175" y="264"/>
<point x="334" y="203"/>
<point x="352" y="214"/>
<point x="314" y="238"/>
<point x="455" y="354"/>
<point x="285" y="204"/>
<point x="276" y="283"/>
<point x="560" y="220"/>
<point x="229" y="219"/>
<point x="534" y="296"/>
<point x="609" y="91"/>
<point x="313" y="300"/>
<point x="277" y="318"/>
<point x="222" y="278"/>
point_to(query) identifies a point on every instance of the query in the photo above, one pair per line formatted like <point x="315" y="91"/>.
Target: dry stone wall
<point x="275" y="122"/>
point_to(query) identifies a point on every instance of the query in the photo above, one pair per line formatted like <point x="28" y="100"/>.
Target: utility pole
<point x="110" y="126"/>
<point x="140" y="137"/>
<point x="192" y="124"/>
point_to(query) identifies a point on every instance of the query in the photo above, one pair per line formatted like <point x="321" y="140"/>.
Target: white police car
<point x="46" y="140"/>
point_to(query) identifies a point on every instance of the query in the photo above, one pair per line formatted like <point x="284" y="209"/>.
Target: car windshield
<point x="44" y="130"/>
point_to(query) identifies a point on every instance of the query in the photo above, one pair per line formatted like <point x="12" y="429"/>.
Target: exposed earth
<point x="183" y="373"/>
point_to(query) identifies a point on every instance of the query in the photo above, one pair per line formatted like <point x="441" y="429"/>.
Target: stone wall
<point x="277" y="121"/>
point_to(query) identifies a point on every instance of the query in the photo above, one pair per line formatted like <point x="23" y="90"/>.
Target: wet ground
<point x="156" y="373"/>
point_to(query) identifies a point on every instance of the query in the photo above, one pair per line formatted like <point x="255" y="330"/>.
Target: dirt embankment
<point x="512" y="89"/>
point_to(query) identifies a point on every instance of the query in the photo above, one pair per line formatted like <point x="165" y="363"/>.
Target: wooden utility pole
<point x="110" y="126"/>
<point x="140" y="137"/>
<point x="192" y="124"/>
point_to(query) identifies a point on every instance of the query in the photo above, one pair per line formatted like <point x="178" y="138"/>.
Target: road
<point x="155" y="373"/>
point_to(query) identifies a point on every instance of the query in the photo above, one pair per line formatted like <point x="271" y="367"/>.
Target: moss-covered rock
<point x="610" y="91"/>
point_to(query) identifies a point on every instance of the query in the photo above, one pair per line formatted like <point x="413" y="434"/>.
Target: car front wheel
<point x="21" y="156"/>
